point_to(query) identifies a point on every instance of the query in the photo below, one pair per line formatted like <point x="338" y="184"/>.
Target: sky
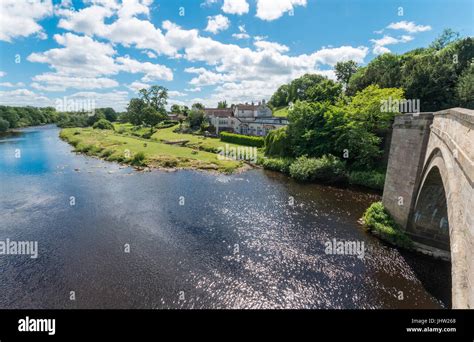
<point x="200" y="50"/>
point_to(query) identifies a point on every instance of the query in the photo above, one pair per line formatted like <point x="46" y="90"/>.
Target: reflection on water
<point x="237" y="242"/>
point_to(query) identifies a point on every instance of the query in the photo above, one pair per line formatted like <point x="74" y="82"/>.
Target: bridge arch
<point x="431" y="167"/>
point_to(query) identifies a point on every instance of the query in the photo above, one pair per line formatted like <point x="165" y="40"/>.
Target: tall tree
<point x="344" y="71"/>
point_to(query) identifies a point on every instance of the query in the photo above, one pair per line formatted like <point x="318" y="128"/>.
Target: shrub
<point x="277" y="143"/>
<point x="370" y="179"/>
<point x="103" y="124"/>
<point x="378" y="220"/>
<point x="240" y="139"/>
<point x="276" y="164"/>
<point x="4" y="125"/>
<point x="138" y="159"/>
<point x="106" y="153"/>
<point x="326" y="168"/>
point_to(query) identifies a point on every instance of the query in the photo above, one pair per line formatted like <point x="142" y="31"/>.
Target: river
<point x="111" y="237"/>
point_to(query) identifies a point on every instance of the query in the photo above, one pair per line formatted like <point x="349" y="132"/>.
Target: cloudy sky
<point x="201" y="50"/>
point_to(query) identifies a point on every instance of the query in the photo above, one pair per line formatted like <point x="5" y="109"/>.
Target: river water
<point x="110" y="237"/>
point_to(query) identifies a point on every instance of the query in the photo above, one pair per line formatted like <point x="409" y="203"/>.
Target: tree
<point x="367" y="108"/>
<point x="344" y="71"/>
<point x="151" y="117"/>
<point x="198" y="106"/>
<point x="465" y="88"/>
<point x="281" y="97"/>
<point x="444" y="39"/>
<point x="110" y="114"/>
<point x="155" y="97"/>
<point x="135" y="110"/>
<point x="222" y="104"/>
<point x="4" y="125"/>
<point x="176" y="109"/>
<point x="195" y="118"/>
<point x="103" y="124"/>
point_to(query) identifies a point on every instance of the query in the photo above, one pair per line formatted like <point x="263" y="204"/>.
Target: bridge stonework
<point x="429" y="189"/>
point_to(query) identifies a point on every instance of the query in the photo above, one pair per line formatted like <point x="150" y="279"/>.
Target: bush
<point x="276" y="164"/>
<point x="378" y="220"/>
<point x="326" y="168"/>
<point x="4" y="125"/>
<point x="277" y="143"/>
<point x="138" y="159"/>
<point x="240" y="139"/>
<point x="370" y="179"/>
<point x="103" y="124"/>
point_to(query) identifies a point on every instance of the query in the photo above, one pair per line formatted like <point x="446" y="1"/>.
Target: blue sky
<point x="201" y="50"/>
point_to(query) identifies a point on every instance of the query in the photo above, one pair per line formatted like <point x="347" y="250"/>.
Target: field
<point x="125" y="148"/>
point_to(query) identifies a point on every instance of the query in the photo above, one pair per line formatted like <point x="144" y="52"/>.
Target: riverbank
<point x="140" y="152"/>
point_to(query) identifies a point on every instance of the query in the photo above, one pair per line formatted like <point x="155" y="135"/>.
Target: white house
<point x="249" y="119"/>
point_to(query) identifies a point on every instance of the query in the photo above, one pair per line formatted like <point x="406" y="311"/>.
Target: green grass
<point x="195" y="141"/>
<point x="370" y="179"/>
<point x="281" y="112"/>
<point x="378" y="221"/>
<point x="128" y="149"/>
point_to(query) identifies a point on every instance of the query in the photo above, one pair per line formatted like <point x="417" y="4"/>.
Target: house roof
<point x="219" y="112"/>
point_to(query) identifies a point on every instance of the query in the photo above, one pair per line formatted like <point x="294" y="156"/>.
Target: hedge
<point x="240" y="139"/>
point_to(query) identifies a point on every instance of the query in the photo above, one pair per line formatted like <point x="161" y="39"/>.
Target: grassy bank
<point x="379" y="222"/>
<point x="133" y="150"/>
<point x="324" y="170"/>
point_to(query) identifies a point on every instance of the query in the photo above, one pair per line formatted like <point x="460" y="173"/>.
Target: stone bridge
<point x="429" y="190"/>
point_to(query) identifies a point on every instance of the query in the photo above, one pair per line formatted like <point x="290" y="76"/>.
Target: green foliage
<point x="465" y="88"/>
<point x="281" y="97"/>
<point x="110" y="114"/>
<point x="378" y="220"/>
<point x="327" y="168"/>
<point x="429" y="75"/>
<point x="222" y="104"/>
<point x="277" y="143"/>
<point x="68" y="120"/>
<point x="240" y="139"/>
<point x="4" y="125"/>
<point x="277" y="164"/>
<point x="149" y="109"/>
<point x="138" y="159"/>
<point x="195" y="118"/>
<point x="27" y="116"/>
<point x="446" y="37"/>
<point x="103" y="124"/>
<point x="345" y="70"/>
<point x="370" y="179"/>
<point x="310" y="87"/>
<point x="368" y="108"/>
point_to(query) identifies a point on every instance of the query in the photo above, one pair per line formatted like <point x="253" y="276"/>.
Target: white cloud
<point x="153" y="72"/>
<point x="19" y="18"/>
<point x="117" y="100"/>
<point x="12" y="85"/>
<point x="58" y="82"/>
<point x="193" y="90"/>
<point x="151" y="54"/>
<point x="2" y="73"/>
<point x="270" y="46"/>
<point x="410" y="27"/>
<point x="217" y="23"/>
<point x="82" y="68"/>
<point x="175" y="93"/>
<point x="273" y="9"/>
<point x="136" y="86"/>
<point x="243" y="33"/>
<point x="23" y="97"/>
<point x="235" y="7"/>
<point x="381" y="43"/>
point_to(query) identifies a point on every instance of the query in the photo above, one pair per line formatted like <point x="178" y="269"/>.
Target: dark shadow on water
<point x="434" y="274"/>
